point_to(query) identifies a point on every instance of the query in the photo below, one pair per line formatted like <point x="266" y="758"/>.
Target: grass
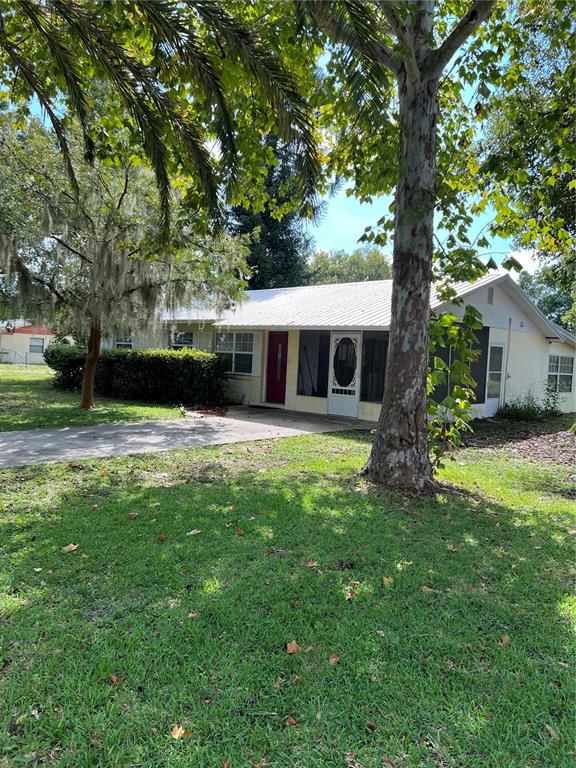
<point x="28" y="400"/>
<point x="461" y="660"/>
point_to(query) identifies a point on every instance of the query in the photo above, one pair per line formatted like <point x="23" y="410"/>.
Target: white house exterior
<point x="322" y="349"/>
<point x="22" y="342"/>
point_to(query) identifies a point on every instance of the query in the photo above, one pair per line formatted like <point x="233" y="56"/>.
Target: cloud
<point x="528" y="260"/>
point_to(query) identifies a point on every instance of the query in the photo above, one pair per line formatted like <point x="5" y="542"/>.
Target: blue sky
<point x="345" y="218"/>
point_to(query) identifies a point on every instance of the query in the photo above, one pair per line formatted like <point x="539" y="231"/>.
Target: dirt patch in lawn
<point x="557" y="448"/>
<point x="548" y="448"/>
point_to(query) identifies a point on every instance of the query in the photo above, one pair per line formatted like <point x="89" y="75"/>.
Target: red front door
<point x="276" y="368"/>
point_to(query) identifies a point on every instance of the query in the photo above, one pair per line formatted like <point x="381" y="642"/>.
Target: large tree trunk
<point x="399" y="458"/>
<point x="94" y="340"/>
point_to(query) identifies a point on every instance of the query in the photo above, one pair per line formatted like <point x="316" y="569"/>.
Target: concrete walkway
<point x="39" y="446"/>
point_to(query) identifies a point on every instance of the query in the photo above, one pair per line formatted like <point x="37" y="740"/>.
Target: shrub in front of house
<point x="528" y="407"/>
<point x="186" y="376"/>
<point x="67" y="362"/>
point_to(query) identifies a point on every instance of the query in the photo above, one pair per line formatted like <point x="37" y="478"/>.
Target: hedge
<point x="183" y="376"/>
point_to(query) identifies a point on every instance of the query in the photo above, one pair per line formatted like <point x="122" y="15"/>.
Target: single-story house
<point x="322" y="349"/>
<point x="23" y="342"/>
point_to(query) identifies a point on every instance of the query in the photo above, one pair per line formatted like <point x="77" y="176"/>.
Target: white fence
<point x="15" y="357"/>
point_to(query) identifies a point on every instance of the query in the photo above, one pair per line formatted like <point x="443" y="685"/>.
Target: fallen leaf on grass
<point x="75" y="466"/>
<point x="194" y="614"/>
<point x="572" y="532"/>
<point x="239" y="532"/>
<point x="333" y="659"/>
<point x="193" y="532"/>
<point x="504" y="640"/>
<point x="178" y="732"/>
<point x="351" y="590"/>
<point x="426" y="589"/>
<point x="94" y="508"/>
<point x="115" y="679"/>
<point x="312" y="564"/>
<point x="162" y="538"/>
<point x="450" y="547"/>
<point x="553" y="733"/>
<point x="133" y="515"/>
<point x="293" y="647"/>
<point x="70" y="548"/>
<point x="225" y="764"/>
<point x="387" y="581"/>
<point x="290" y="722"/>
<point x="277" y="683"/>
<point x="103" y="473"/>
<point x="371" y="726"/>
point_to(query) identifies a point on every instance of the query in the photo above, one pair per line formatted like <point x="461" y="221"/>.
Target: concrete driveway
<point x="38" y="446"/>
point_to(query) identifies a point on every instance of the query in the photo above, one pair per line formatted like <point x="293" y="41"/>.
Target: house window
<point x="495" y="364"/>
<point x="374" y="353"/>
<point x="560" y="373"/>
<point x="184" y="339"/>
<point x="237" y="349"/>
<point x="123" y="342"/>
<point x="36" y="345"/>
<point x="313" y="360"/>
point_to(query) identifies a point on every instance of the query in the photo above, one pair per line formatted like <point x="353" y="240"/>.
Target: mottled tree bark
<point x="399" y="458"/>
<point x="94" y="341"/>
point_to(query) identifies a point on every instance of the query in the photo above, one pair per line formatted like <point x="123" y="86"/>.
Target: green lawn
<point x="28" y="400"/>
<point x="454" y="645"/>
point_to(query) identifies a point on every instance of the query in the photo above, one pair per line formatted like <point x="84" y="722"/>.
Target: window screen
<point x="374" y="353"/>
<point x="313" y="357"/>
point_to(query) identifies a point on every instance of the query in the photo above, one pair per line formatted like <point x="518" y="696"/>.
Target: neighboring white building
<point x="22" y="342"/>
<point x="322" y="349"/>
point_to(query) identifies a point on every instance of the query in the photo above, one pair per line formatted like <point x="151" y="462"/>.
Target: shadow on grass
<point x="461" y="660"/>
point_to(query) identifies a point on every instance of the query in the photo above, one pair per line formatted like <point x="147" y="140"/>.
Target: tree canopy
<point x="191" y="83"/>
<point x="367" y="263"/>
<point x="529" y="153"/>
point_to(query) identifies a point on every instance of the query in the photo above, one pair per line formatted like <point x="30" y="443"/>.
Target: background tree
<point x="279" y="252"/>
<point x="529" y="151"/>
<point x="366" y="263"/>
<point x="544" y="292"/>
<point x="93" y="256"/>
<point x="182" y="77"/>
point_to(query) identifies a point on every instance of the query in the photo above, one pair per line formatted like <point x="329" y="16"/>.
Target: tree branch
<point x="23" y="270"/>
<point x="64" y="244"/>
<point x="395" y="24"/>
<point x="468" y="24"/>
<point x="124" y="190"/>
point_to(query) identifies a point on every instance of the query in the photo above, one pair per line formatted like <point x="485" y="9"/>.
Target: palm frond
<point x="280" y="89"/>
<point x="140" y="93"/>
<point x="66" y="65"/>
<point x="26" y="69"/>
<point x="175" y="44"/>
